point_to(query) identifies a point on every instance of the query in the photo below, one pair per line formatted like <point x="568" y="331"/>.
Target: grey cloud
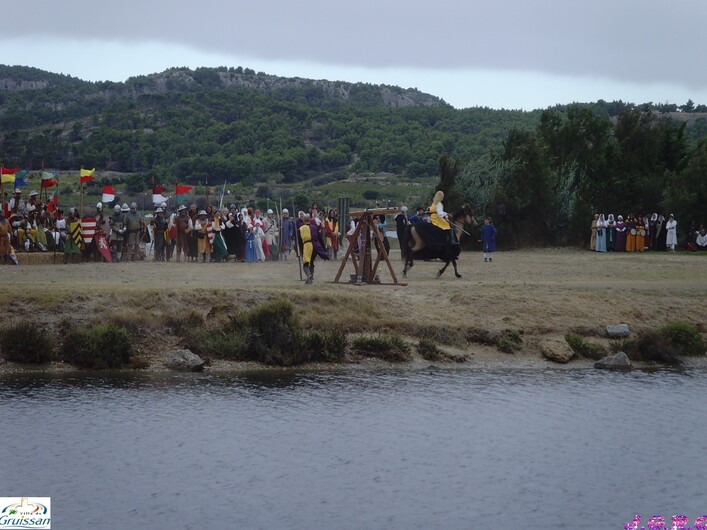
<point x="626" y="40"/>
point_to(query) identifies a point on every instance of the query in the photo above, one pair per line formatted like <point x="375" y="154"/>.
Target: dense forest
<point x="541" y="174"/>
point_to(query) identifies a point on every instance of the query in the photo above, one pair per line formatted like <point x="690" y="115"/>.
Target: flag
<point x="87" y="175"/>
<point x="158" y="198"/>
<point x="9" y="170"/>
<point x="108" y="194"/>
<point x="20" y="177"/>
<point x="48" y="179"/>
<point x="7" y="178"/>
<point x="157" y="190"/>
<point x="181" y="193"/>
<point x="53" y="202"/>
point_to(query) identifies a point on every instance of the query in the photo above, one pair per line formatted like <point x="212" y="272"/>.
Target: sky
<point x="513" y="54"/>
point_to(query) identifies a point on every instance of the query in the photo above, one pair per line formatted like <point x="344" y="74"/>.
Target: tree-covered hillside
<point x="211" y="124"/>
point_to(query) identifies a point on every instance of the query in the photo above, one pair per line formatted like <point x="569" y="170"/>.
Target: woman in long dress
<point x="601" y="234"/>
<point x="593" y="239"/>
<point x="671" y="229"/>
<point x="610" y="233"/>
<point x="620" y="243"/>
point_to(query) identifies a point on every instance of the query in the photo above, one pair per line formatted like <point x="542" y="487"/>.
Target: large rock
<point x="618" y="361"/>
<point x="618" y="331"/>
<point x="184" y="360"/>
<point x="557" y="351"/>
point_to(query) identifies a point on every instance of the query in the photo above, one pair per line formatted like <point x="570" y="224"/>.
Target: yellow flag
<point x="10" y="178"/>
<point x="87" y="172"/>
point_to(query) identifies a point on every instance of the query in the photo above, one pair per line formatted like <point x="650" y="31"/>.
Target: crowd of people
<point x="183" y="234"/>
<point x="639" y="233"/>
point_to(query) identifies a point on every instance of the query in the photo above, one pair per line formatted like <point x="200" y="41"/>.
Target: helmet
<point x="269" y="211"/>
<point x="181" y="208"/>
<point x="125" y="207"/>
<point x="99" y="205"/>
<point x="159" y="210"/>
<point x="31" y="193"/>
<point x="285" y="211"/>
<point x="202" y="212"/>
<point x="163" y="204"/>
<point x="116" y="207"/>
<point x="18" y="190"/>
<point x="133" y="205"/>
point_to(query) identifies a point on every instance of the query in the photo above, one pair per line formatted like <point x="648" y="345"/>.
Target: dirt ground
<point x="538" y="293"/>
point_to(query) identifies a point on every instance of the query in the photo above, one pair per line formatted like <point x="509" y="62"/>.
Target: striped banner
<point x="75" y="230"/>
<point x="88" y="229"/>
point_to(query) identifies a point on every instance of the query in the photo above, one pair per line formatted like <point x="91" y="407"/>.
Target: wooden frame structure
<point x="364" y="266"/>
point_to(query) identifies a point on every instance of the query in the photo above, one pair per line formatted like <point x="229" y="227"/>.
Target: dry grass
<point x="537" y="293"/>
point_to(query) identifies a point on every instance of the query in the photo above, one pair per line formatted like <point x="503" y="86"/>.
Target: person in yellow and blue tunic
<point x="311" y="246"/>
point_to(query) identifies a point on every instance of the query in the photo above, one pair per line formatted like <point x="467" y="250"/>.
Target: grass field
<point x="538" y="294"/>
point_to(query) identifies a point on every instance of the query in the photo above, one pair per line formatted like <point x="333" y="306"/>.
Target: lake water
<point x="429" y="448"/>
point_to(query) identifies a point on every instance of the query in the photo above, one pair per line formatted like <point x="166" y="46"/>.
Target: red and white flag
<point x="108" y="194"/>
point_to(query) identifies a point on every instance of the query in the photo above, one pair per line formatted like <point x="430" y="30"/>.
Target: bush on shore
<point x="584" y="348"/>
<point x="25" y="342"/>
<point x="98" y="347"/>
<point x="666" y="344"/>
<point x="383" y="346"/>
<point x="269" y="334"/>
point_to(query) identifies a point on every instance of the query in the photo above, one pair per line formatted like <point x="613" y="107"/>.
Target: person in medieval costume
<point x="401" y="223"/>
<point x="311" y="246"/>
<point x="201" y="227"/>
<point x="231" y="232"/>
<point x="610" y="233"/>
<point x="272" y="234"/>
<point x="259" y="235"/>
<point x="5" y="247"/>
<point x="251" y="255"/>
<point x="220" y="251"/>
<point x="115" y="240"/>
<point x="660" y="232"/>
<point x="652" y="227"/>
<point x="331" y="224"/>
<point x="193" y="246"/>
<point x="438" y="230"/>
<point x="631" y="233"/>
<point x="72" y="247"/>
<point x="159" y="226"/>
<point x="287" y="234"/>
<point x="593" y="238"/>
<point x="488" y="239"/>
<point x="133" y="225"/>
<point x="601" y="234"/>
<point x="184" y="227"/>
<point x="671" y="231"/>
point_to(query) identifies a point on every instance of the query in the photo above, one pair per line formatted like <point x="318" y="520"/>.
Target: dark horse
<point x="446" y="250"/>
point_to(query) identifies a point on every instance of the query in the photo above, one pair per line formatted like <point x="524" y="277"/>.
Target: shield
<point x="88" y="229"/>
<point x="103" y="248"/>
<point x="75" y="231"/>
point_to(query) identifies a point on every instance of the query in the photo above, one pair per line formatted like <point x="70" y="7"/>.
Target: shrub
<point x="322" y="346"/>
<point x="683" y="336"/>
<point x="429" y="350"/>
<point x="181" y="322"/>
<point x="387" y="347"/>
<point x="99" y="347"/>
<point x="24" y="342"/>
<point x="509" y="341"/>
<point x="584" y="348"/>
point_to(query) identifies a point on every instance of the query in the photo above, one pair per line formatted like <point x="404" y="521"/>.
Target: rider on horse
<point x="438" y="219"/>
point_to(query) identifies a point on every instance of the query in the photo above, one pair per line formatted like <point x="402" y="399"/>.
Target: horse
<point x="447" y="251"/>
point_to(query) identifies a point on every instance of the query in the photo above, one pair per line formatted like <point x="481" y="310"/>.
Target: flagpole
<point x="80" y="195"/>
<point x="2" y="190"/>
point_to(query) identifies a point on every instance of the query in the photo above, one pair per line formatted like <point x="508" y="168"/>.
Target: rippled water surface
<point x="393" y="449"/>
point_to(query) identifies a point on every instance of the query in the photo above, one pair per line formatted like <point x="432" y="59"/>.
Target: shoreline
<point x="537" y="294"/>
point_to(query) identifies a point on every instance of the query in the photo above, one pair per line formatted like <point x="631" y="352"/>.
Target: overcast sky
<point x="498" y="53"/>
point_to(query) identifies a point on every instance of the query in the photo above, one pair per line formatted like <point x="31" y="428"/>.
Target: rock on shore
<point x="557" y="351"/>
<point x="618" y="361"/>
<point x="185" y="361"/>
